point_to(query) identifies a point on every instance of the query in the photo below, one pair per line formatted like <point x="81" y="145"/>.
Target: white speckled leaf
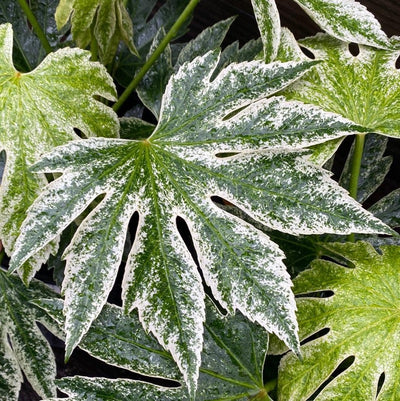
<point x="363" y="321"/>
<point x="38" y="111"/>
<point x="347" y="20"/>
<point x="119" y="339"/>
<point x="22" y="345"/>
<point x="106" y="20"/>
<point x="174" y="173"/>
<point x="232" y="359"/>
<point x="363" y="88"/>
<point x="269" y="24"/>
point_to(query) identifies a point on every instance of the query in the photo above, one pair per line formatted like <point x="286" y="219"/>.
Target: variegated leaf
<point x="358" y="304"/>
<point x="347" y="20"/>
<point x="232" y="359"/>
<point x="153" y="84"/>
<point x="23" y="347"/>
<point x="38" y="111"/>
<point x="120" y="340"/>
<point x="105" y="21"/>
<point x="174" y="173"/>
<point x="269" y="24"/>
<point x="364" y="88"/>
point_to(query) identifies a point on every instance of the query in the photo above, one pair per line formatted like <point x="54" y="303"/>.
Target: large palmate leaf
<point x="105" y="21"/>
<point x="361" y="315"/>
<point x="22" y="345"/>
<point x="232" y="359"/>
<point x="174" y="173"/>
<point x="364" y="88"/>
<point x="38" y="111"/>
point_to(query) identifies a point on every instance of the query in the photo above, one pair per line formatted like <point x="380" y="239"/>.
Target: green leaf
<point x="153" y="84"/>
<point x="38" y="111"/>
<point x="334" y="84"/>
<point x="232" y="359"/>
<point x="269" y="24"/>
<point x="388" y="209"/>
<point x="22" y="345"/>
<point x="347" y="20"/>
<point x="28" y="51"/>
<point x="209" y="39"/>
<point x="106" y="21"/>
<point x="363" y="321"/>
<point x="173" y="174"/>
<point x="147" y="23"/>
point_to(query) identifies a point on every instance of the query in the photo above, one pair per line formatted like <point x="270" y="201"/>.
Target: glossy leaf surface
<point x="232" y="359"/>
<point x="38" y="111"/>
<point x="363" y="321"/>
<point x="174" y="173"/>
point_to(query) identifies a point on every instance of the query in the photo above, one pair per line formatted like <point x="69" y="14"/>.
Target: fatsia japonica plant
<point x="159" y="194"/>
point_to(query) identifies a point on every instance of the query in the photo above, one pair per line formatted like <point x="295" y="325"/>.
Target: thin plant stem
<point x="355" y="169"/>
<point x="152" y="59"/>
<point x="35" y="25"/>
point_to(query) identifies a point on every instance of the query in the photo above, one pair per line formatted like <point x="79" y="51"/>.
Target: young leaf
<point x="38" y="111"/>
<point x="28" y="50"/>
<point x="22" y="345"/>
<point x="269" y="24"/>
<point x="363" y="322"/>
<point x="106" y="21"/>
<point x="173" y="174"/>
<point x="347" y="20"/>
<point x="232" y="359"/>
<point x="335" y="84"/>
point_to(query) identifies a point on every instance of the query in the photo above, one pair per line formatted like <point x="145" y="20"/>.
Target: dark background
<point x="243" y="29"/>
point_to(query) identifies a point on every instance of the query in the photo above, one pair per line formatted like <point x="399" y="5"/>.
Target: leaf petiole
<point x="35" y="25"/>
<point x="355" y="169"/>
<point x="152" y="59"/>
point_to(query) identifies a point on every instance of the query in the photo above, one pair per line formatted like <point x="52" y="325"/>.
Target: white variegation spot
<point x="347" y="20"/>
<point x="174" y="173"/>
<point x="269" y="24"/>
<point x="39" y="110"/>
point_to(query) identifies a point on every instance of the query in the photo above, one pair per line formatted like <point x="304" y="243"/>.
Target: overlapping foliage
<point x="227" y="163"/>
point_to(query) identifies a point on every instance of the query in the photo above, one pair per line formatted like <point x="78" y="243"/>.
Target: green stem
<point x="35" y="25"/>
<point x="355" y="169"/>
<point x="152" y="59"/>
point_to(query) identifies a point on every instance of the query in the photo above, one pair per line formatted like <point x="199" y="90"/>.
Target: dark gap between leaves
<point x="307" y="52"/>
<point x="397" y="64"/>
<point x="344" y="365"/>
<point x="316" y="294"/>
<point x="187" y="238"/>
<point x="381" y="382"/>
<point x="313" y="337"/>
<point x="115" y="296"/>
<point x="338" y="260"/>
<point x="354" y="49"/>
